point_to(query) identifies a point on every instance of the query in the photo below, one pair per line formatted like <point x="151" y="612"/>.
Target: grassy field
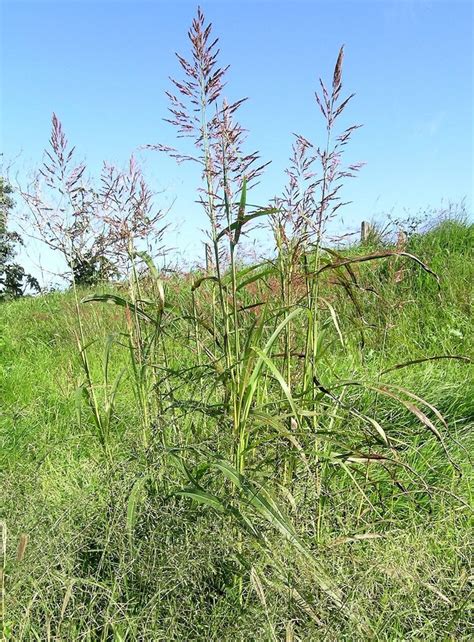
<point x="131" y="513"/>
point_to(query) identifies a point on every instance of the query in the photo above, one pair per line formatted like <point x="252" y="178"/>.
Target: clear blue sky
<point x="103" y="67"/>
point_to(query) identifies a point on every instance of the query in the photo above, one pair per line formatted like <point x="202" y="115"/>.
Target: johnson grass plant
<point x="259" y="451"/>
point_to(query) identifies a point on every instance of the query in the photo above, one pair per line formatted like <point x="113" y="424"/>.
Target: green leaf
<point x="132" y="504"/>
<point x="241" y="212"/>
<point x="146" y="258"/>
<point x="120" y="301"/>
<point x="376" y="256"/>
<point x="249" y="384"/>
<point x="256" y="276"/>
<point x="238" y="224"/>
<point x="202" y="497"/>
<point x="278" y="376"/>
<point x="266" y="506"/>
<point x="198" y="282"/>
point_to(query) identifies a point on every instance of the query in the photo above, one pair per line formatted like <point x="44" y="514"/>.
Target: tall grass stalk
<point x="258" y="386"/>
<point x="201" y="114"/>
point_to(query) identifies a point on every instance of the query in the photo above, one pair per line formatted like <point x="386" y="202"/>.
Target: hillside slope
<point x="113" y="553"/>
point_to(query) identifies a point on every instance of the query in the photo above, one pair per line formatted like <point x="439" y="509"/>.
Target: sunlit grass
<point x="114" y="552"/>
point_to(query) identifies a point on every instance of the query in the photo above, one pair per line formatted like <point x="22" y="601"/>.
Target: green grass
<point x="116" y="553"/>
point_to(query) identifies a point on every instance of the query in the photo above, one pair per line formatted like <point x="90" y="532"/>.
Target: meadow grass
<point x="152" y="532"/>
<point x="260" y="451"/>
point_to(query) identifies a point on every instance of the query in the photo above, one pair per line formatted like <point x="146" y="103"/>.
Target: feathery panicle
<point x="128" y="209"/>
<point x="61" y="202"/>
<point x="337" y="76"/>
<point x="199" y="112"/>
<point x="90" y="225"/>
<point x="313" y="199"/>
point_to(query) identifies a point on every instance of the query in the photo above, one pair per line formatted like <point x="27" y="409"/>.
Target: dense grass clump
<point x="266" y="450"/>
<point x="146" y="532"/>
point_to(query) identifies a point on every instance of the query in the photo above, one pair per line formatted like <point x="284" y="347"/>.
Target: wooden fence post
<point x="402" y="239"/>
<point x="365" y="229"/>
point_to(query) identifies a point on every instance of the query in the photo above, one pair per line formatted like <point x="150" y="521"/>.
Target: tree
<point x="13" y="279"/>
